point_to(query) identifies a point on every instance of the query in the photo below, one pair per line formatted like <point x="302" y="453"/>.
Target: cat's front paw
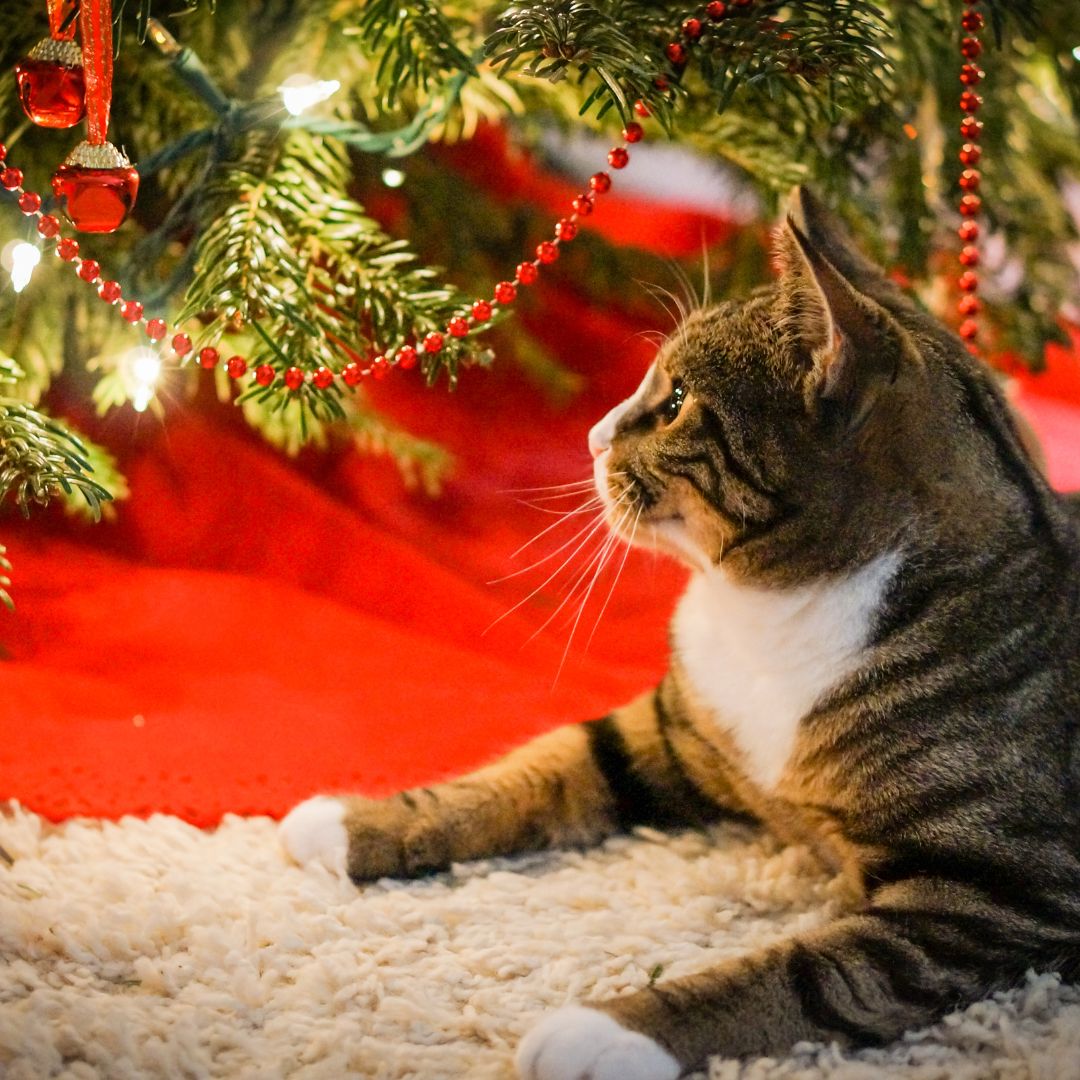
<point x="577" y="1043"/>
<point x="314" y="832"/>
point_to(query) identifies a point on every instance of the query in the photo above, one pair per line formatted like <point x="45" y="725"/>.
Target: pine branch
<point x="39" y="457"/>
<point x="315" y="280"/>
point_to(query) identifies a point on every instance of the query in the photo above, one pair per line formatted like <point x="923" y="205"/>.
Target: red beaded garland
<point x="970" y="154"/>
<point x="970" y="128"/>
<point x="970" y="179"/>
<point x="691" y="28"/>
<point x="565" y="229"/>
<point x="970" y="205"/>
<point x="618" y="157"/>
<point x="676" y="53"/>
<point x="716" y="10"/>
<point x="505" y="293"/>
<point x="526" y="273"/>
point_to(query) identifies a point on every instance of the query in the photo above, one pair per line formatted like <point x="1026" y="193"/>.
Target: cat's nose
<point x="600" y="435"/>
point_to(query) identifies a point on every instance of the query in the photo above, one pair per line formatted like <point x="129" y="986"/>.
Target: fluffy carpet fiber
<point x="150" y="948"/>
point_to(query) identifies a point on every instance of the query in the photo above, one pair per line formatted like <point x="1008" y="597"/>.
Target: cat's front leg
<point x="570" y="787"/>
<point x="922" y="949"/>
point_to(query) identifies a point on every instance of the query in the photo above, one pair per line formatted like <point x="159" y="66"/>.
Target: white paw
<point x="577" y="1043"/>
<point x="314" y="831"/>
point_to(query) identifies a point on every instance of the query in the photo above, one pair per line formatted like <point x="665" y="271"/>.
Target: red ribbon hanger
<point x="95" y="29"/>
<point x="59" y="13"/>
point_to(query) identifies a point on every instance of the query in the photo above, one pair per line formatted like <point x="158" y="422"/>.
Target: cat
<point x="877" y="656"/>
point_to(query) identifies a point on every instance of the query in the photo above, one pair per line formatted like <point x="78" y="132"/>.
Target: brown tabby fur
<point x="827" y="421"/>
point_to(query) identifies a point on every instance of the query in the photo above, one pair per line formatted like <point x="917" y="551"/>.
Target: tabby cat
<point x="877" y="656"/>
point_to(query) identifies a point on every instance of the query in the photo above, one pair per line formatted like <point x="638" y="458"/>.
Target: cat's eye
<point x="672" y="405"/>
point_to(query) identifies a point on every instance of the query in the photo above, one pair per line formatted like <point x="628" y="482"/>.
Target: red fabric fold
<point x="251" y="630"/>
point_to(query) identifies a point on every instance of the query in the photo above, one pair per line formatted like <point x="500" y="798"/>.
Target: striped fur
<point x="786" y="443"/>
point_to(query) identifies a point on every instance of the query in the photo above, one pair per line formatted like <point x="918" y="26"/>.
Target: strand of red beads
<point x="408" y="355"/>
<point x="971" y="22"/>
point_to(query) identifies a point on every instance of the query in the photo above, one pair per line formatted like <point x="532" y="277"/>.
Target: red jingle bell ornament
<point x="97" y="184"/>
<point x="50" y="79"/>
<point x="51" y="84"/>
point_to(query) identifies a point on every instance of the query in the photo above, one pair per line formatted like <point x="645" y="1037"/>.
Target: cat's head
<point x="797" y="432"/>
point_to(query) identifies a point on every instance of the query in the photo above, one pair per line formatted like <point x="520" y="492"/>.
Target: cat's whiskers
<point x="629" y="543"/>
<point x="571" y="486"/>
<point x="590" y="528"/>
<point x="595" y="503"/>
<point x="568" y="592"/>
<point x="601" y="562"/>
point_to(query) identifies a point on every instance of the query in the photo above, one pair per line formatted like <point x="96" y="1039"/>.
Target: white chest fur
<point x="761" y="658"/>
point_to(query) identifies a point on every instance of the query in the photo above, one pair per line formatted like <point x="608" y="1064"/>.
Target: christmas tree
<point x="261" y="128"/>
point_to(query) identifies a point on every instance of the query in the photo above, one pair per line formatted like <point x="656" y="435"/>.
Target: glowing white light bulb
<point x="144" y="369"/>
<point x="1076" y="53"/>
<point x="393" y="177"/>
<point x="24" y="257"/>
<point x="300" y="92"/>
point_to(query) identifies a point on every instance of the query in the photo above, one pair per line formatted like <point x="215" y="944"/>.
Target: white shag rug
<point x="152" y="949"/>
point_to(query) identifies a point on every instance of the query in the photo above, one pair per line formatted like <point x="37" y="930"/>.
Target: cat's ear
<point x="847" y="347"/>
<point x="827" y="233"/>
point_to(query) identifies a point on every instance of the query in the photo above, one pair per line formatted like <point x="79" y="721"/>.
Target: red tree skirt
<point x="251" y="630"/>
